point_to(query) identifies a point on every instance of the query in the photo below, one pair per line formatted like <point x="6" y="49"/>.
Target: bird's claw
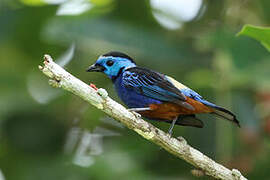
<point x="137" y="115"/>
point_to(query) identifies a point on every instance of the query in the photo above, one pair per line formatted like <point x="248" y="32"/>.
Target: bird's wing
<point x="154" y="85"/>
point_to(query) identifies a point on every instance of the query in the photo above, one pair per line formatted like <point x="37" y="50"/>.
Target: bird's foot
<point x="136" y="110"/>
<point x="137" y="115"/>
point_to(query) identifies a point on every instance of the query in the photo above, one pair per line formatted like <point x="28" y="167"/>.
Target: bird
<point x="154" y="95"/>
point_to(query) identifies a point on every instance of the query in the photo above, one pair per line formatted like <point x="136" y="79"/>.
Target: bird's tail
<point x="226" y="114"/>
<point x="221" y="112"/>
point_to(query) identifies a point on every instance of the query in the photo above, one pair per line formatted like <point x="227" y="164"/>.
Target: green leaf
<point x="261" y="34"/>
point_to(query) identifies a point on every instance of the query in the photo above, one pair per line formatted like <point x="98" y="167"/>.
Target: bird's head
<point x="112" y="64"/>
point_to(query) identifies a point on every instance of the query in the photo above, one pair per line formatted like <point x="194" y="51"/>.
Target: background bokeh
<point x="47" y="133"/>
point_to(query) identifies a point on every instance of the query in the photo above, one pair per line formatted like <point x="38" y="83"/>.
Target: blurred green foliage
<point x="46" y="133"/>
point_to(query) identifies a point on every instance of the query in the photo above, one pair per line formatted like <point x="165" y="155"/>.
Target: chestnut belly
<point x="169" y="111"/>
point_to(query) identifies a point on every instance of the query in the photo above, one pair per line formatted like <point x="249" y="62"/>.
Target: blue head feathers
<point x="112" y="64"/>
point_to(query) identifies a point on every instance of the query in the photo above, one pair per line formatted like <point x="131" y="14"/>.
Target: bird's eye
<point x="109" y="63"/>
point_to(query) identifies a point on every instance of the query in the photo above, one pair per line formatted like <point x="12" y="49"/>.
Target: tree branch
<point x="99" y="98"/>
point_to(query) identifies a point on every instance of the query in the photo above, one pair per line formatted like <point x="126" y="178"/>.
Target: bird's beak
<point x="95" y="68"/>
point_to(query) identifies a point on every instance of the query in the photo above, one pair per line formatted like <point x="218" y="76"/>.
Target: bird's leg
<point x="172" y="125"/>
<point x="139" y="109"/>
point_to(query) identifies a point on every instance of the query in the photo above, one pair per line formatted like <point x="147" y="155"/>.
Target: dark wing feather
<point x="155" y="85"/>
